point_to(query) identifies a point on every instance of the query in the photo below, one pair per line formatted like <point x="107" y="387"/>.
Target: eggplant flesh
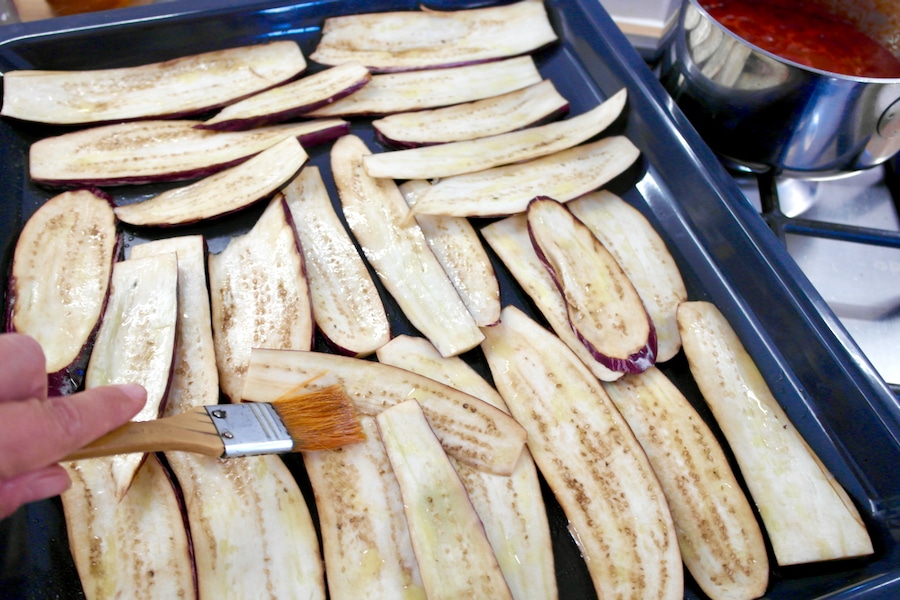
<point x="394" y="41"/>
<point x="591" y="460"/>
<point x="401" y="92"/>
<point x="603" y="308"/>
<point x="511" y="508"/>
<point x="457" y="158"/>
<point x="807" y="514"/>
<point x="365" y="537"/>
<point x="59" y="281"/>
<point x="454" y="555"/>
<point x="721" y="542"/>
<point x="456" y="245"/>
<point x="136" y="342"/>
<point x="153" y="151"/>
<point x="510" y="240"/>
<point x="136" y="547"/>
<point x="259" y="295"/>
<point x="508" y="189"/>
<point x="177" y="87"/>
<point x="347" y="307"/>
<point x="533" y="105"/>
<point x="221" y="193"/>
<point x="643" y="255"/>
<point x="376" y="214"/>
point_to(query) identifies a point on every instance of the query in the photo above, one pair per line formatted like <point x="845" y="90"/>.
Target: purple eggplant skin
<point x="635" y="363"/>
<point x="285" y="115"/>
<point x="324" y="136"/>
<point x="408" y="145"/>
<point x="70" y="378"/>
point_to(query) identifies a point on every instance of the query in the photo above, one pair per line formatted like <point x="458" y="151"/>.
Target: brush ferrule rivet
<point x="218" y="413"/>
<point x="228" y="435"/>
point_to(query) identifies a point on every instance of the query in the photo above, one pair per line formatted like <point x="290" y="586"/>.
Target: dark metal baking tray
<point x="725" y="251"/>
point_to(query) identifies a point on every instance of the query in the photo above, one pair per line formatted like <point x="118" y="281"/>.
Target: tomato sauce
<point x="806" y="35"/>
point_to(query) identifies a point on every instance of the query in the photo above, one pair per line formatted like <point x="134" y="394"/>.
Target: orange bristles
<point x="323" y="419"/>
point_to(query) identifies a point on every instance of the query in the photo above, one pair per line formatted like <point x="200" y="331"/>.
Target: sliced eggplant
<point x="533" y="105"/>
<point x="152" y="151"/>
<point x="259" y="295"/>
<point x="291" y="99"/>
<point x="456" y="245"/>
<point x="59" y="281"/>
<point x="136" y="342"/>
<point x="595" y="467"/>
<point x="365" y="537"/>
<point x="604" y="309"/>
<point x="721" y="542"/>
<point x="376" y="214"/>
<point x="195" y="381"/>
<point x="457" y="158"/>
<point x="807" y="514"/>
<point x="510" y="240"/>
<point x="402" y="92"/>
<point x="394" y="41"/>
<point x="177" y="87"/>
<point x="454" y="555"/>
<point x="470" y="429"/>
<point x="136" y="547"/>
<point x="643" y="255"/>
<point x="222" y="193"/>
<point x="346" y="304"/>
<point x="242" y="542"/>
<point x="255" y="527"/>
<point x="511" y="508"/>
<point x="508" y="189"/>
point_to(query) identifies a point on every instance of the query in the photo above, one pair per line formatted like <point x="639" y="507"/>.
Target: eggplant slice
<point x="173" y="88"/>
<point x="457" y="158"/>
<point x="533" y="105"/>
<point x="221" y="193"/>
<point x="59" y="281"/>
<point x="291" y="99"/>
<point x="401" y="92"/>
<point x="398" y="41"/>
<point x="347" y="307"/>
<point x="153" y="151"/>
<point x="136" y="341"/>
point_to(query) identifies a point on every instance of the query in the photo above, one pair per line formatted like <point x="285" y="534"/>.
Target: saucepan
<point x="762" y="111"/>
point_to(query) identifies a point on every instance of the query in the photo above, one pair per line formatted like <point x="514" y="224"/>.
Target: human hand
<point x="36" y="431"/>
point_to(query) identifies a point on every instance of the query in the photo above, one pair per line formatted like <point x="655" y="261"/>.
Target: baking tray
<point x="726" y="254"/>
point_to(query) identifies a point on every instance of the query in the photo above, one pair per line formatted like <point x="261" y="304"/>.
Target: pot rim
<point x="790" y="63"/>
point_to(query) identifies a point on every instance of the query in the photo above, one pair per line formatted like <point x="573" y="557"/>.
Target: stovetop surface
<point x="844" y="233"/>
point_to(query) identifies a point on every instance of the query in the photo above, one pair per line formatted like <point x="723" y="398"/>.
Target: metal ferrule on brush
<point x="250" y="428"/>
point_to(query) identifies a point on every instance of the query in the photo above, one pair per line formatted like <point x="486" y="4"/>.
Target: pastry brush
<point x="320" y="420"/>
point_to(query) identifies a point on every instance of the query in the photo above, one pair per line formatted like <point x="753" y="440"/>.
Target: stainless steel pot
<point x="760" y="111"/>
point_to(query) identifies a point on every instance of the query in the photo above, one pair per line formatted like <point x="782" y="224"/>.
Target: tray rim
<point x="826" y="328"/>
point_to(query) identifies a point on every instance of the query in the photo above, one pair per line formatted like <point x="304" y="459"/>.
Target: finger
<point x="38" y="433"/>
<point x="29" y="487"/>
<point x="22" y="368"/>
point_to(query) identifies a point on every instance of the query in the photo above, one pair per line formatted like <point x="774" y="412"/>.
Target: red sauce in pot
<point x="805" y="35"/>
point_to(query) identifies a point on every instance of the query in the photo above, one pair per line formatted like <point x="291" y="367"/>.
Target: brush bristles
<point x="320" y="420"/>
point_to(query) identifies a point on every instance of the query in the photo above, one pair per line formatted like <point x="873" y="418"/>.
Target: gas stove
<point x="844" y="234"/>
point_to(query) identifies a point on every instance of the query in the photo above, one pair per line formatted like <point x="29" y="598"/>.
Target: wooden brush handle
<point x="191" y="431"/>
